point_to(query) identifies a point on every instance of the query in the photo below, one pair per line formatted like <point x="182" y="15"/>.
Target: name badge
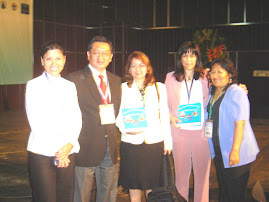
<point x="107" y="114"/>
<point x="209" y="128"/>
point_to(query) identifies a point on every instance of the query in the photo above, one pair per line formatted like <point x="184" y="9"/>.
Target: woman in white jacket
<point x="142" y="148"/>
<point x="55" y="119"/>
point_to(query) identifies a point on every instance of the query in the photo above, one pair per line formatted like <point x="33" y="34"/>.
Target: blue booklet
<point x="134" y="118"/>
<point x="190" y="114"/>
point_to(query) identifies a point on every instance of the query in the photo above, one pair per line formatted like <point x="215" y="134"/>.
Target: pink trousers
<point x="192" y="151"/>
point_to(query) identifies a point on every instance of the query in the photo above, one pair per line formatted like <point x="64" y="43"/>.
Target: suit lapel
<point x="111" y="86"/>
<point x="177" y="89"/>
<point x="91" y="85"/>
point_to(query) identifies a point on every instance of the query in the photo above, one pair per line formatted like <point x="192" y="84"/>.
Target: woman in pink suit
<point x="187" y="93"/>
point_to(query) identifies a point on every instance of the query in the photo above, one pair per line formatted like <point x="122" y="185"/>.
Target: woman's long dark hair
<point x="186" y="47"/>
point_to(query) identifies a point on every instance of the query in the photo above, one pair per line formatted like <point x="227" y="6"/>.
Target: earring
<point x="231" y="80"/>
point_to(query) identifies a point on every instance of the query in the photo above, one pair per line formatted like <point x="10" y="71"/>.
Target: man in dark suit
<point x="99" y="100"/>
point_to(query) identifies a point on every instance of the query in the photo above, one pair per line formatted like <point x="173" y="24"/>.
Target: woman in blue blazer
<point x="233" y="145"/>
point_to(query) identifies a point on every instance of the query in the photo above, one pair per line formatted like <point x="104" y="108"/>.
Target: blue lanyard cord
<point x="189" y="91"/>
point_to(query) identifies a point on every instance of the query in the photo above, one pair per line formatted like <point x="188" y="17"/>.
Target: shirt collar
<point x="97" y="73"/>
<point x="51" y="77"/>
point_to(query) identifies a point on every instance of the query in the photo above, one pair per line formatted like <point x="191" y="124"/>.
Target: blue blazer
<point x="235" y="107"/>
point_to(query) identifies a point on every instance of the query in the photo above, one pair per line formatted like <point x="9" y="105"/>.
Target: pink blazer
<point x="173" y="94"/>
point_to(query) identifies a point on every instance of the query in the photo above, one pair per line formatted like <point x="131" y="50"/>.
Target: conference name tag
<point x="209" y="128"/>
<point x="107" y="114"/>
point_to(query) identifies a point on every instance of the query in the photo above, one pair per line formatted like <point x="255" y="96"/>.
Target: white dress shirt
<point x="158" y="127"/>
<point x="97" y="80"/>
<point x="53" y="113"/>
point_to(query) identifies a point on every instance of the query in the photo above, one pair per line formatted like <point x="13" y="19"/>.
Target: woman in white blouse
<point x="142" y="147"/>
<point x="55" y="119"/>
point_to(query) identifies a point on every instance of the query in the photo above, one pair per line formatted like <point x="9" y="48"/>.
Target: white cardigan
<point x="53" y="113"/>
<point x="158" y="128"/>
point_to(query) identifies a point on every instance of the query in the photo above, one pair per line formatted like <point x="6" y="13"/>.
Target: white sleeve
<point x="119" y="119"/>
<point x="73" y="119"/>
<point x="165" y="117"/>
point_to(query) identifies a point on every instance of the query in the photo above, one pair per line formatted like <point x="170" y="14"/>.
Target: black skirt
<point x="140" y="165"/>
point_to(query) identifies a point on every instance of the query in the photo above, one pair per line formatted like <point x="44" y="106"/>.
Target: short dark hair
<point x="186" y="47"/>
<point x="99" y="39"/>
<point x="228" y="65"/>
<point x="149" y="80"/>
<point x="51" y="45"/>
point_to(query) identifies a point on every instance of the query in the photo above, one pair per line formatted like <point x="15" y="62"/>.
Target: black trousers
<point x="49" y="183"/>
<point x="232" y="181"/>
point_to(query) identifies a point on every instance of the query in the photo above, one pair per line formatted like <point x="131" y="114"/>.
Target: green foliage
<point x="212" y="45"/>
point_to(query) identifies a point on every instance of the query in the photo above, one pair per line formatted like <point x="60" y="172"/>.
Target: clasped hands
<point x="63" y="155"/>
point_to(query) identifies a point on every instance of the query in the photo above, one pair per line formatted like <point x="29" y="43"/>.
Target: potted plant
<point x="212" y="45"/>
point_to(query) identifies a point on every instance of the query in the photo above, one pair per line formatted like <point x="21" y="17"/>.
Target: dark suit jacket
<point x="92" y="138"/>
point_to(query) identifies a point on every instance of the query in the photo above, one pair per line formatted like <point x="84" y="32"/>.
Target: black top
<point x="215" y="118"/>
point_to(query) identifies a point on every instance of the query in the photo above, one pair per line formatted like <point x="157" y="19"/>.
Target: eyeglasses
<point x="141" y="66"/>
<point x="99" y="53"/>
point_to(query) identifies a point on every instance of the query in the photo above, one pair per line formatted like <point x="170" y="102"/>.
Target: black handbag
<point x="168" y="192"/>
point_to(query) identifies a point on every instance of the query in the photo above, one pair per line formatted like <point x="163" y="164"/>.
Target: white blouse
<point x="53" y="113"/>
<point x="158" y="127"/>
<point x="196" y="96"/>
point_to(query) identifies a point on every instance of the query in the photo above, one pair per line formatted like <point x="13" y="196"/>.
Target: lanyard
<point x="189" y="91"/>
<point x="104" y="96"/>
<point x="212" y="103"/>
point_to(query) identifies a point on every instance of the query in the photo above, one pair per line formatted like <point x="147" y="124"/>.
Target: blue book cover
<point x="190" y="114"/>
<point x="134" y="118"/>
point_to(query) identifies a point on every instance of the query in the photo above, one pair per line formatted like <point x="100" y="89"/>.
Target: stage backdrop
<point x="16" y="41"/>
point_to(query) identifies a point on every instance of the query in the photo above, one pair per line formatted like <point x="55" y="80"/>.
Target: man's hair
<point x="99" y="39"/>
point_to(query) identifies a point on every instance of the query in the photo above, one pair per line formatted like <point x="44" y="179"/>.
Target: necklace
<point x="142" y="92"/>
<point x="188" y="78"/>
<point x="189" y="90"/>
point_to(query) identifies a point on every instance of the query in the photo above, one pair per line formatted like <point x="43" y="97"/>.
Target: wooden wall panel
<point x="75" y="22"/>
